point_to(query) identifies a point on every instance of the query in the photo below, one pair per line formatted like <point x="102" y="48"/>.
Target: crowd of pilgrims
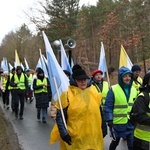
<point x="88" y="110"/>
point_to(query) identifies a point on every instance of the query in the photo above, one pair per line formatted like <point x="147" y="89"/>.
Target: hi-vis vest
<point x="137" y="84"/>
<point x="142" y="131"/>
<point x="29" y="79"/>
<point x="20" y="82"/>
<point x="10" y="87"/>
<point x="104" y="91"/>
<point x="4" y="81"/>
<point x="122" y="108"/>
<point x="39" y="82"/>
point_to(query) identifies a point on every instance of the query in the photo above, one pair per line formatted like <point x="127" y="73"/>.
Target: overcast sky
<point x="12" y="16"/>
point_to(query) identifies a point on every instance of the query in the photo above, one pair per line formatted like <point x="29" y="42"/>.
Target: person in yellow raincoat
<point x="81" y="107"/>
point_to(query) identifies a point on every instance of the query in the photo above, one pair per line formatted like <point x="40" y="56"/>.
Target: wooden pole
<point x="62" y="113"/>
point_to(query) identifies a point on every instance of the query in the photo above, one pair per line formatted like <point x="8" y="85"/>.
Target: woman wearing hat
<point x="42" y="93"/>
<point x="82" y="113"/>
<point x="137" y="80"/>
<point x="102" y="87"/>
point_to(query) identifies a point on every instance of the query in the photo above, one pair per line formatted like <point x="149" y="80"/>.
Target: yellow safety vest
<point x="142" y="131"/>
<point x="137" y="85"/>
<point x="29" y="78"/>
<point x="104" y="91"/>
<point x="10" y="87"/>
<point x="39" y="82"/>
<point x="4" y="81"/>
<point x="122" y="108"/>
<point x="20" y="82"/>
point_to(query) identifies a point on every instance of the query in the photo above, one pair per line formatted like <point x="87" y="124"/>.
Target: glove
<point x="67" y="139"/>
<point x="110" y="123"/>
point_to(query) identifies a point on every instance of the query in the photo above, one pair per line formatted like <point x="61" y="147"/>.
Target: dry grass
<point x="8" y="138"/>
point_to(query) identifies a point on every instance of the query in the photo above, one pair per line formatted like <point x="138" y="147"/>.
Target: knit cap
<point x="135" y="68"/>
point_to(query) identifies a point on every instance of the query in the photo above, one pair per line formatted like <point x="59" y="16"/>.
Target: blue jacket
<point x="121" y="130"/>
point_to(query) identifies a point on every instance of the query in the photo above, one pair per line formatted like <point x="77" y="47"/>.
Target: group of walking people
<point x="21" y="85"/>
<point x="90" y="107"/>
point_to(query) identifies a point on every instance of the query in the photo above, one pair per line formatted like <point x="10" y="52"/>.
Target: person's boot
<point x="43" y="119"/>
<point x="38" y="116"/>
<point x="21" y="117"/>
<point x="16" y="114"/>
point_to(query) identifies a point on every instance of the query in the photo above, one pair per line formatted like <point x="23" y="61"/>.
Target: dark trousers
<point x="139" y="144"/>
<point x="129" y="140"/>
<point x="19" y="97"/>
<point x="5" y="97"/>
<point x="12" y="100"/>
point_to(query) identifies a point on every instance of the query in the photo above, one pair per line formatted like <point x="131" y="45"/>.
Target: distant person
<point x="119" y="101"/>
<point x="29" y="92"/>
<point x="20" y="83"/>
<point x="5" y="90"/>
<point x="1" y="71"/>
<point x="13" y="71"/>
<point x="81" y="107"/>
<point x="42" y="93"/>
<point x="137" y="80"/>
<point x="141" y="116"/>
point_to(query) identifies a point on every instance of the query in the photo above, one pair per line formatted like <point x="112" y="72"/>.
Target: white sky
<point x="12" y="16"/>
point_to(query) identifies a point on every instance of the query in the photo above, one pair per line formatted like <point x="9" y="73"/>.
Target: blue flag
<point x="4" y="64"/>
<point x="64" y="60"/>
<point x="43" y="64"/>
<point x="102" y="62"/>
<point x="55" y="71"/>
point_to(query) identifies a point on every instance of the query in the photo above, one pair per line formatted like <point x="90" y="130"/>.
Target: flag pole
<point x="108" y="78"/>
<point x="62" y="113"/>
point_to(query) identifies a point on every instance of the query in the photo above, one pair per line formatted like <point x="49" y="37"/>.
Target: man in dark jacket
<point x="20" y="82"/>
<point x="141" y="116"/>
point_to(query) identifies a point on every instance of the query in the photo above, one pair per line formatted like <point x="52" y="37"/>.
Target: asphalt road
<point x="34" y="135"/>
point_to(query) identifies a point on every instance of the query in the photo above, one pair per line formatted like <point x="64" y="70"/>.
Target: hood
<point x="122" y="71"/>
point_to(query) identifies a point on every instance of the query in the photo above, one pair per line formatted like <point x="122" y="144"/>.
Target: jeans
<point x="44" y="113"/>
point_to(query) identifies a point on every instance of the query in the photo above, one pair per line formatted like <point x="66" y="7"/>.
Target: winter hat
<point x="96" y="71"/>
<point x="135" y="68"/>
<point x="79" y="74"/>
<point x="76" y="67"/>
<point x="40" y="70"/>
<point x="19" y="68"/>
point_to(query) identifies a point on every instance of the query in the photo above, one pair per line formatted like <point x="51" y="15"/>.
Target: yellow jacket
<point x="84" y="119"/>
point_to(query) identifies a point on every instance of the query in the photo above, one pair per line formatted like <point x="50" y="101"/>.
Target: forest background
<point x="113" y="22"/>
